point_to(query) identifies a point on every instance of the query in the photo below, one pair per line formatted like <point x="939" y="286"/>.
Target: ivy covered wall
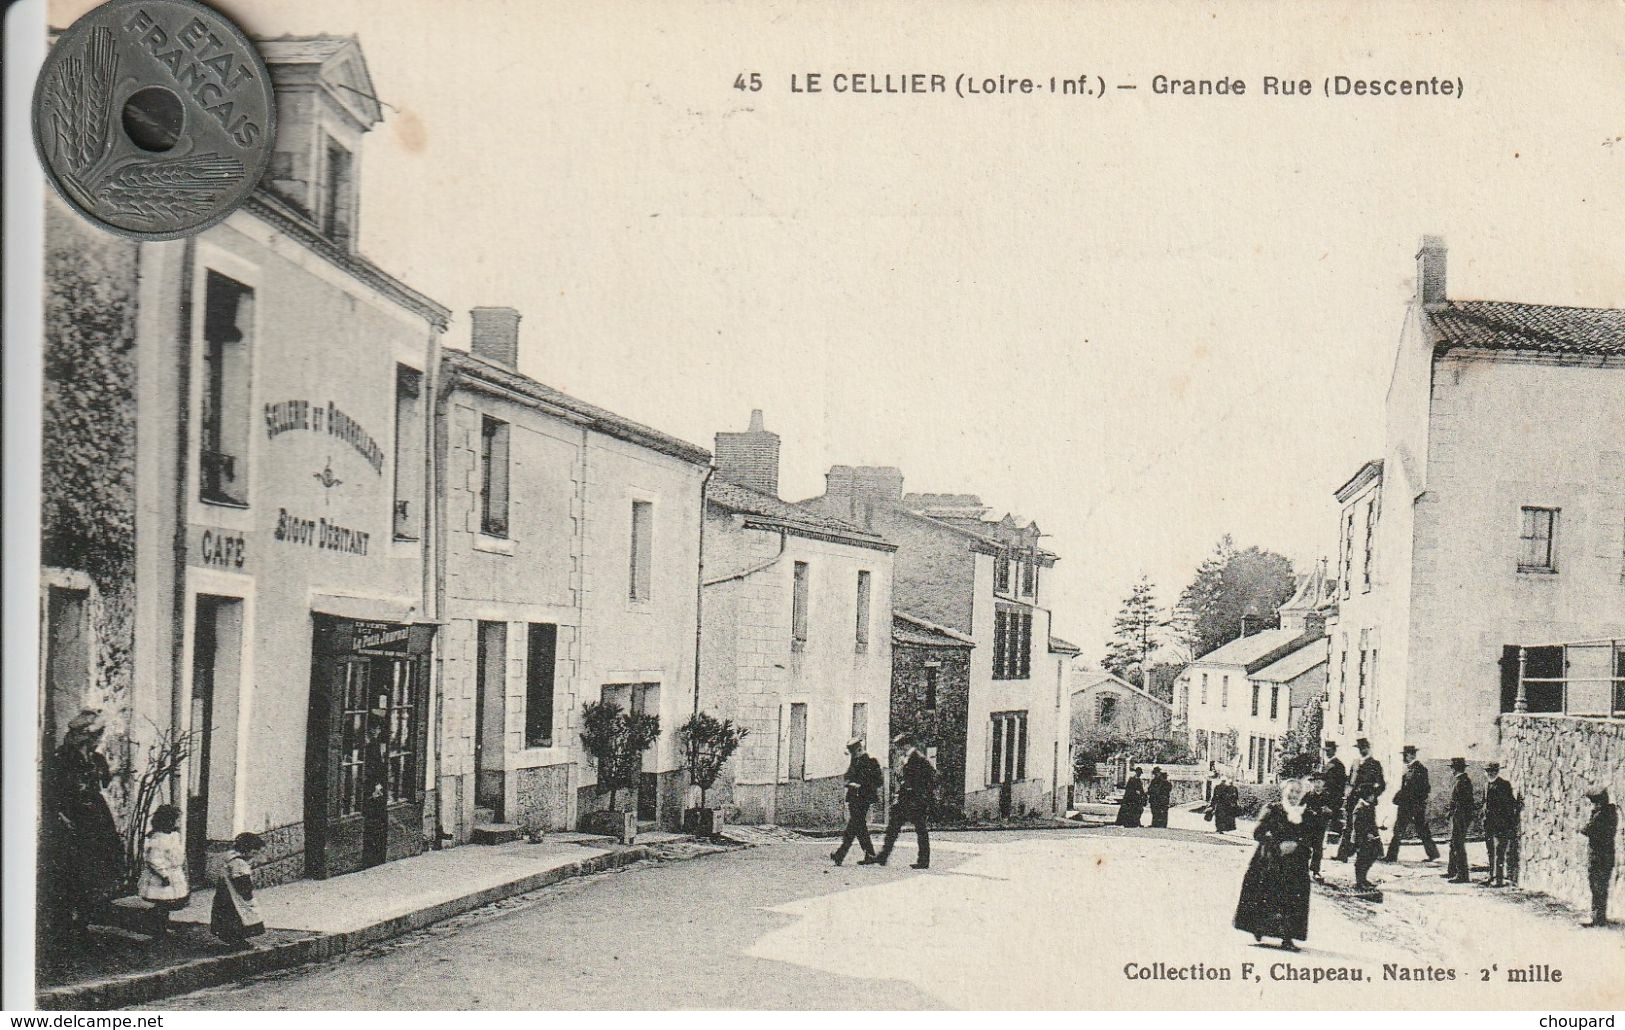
<point x="88" y="459"/>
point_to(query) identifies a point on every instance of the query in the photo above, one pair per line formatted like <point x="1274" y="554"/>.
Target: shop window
<point x="862" y="637"/>
<point x="798" y="741"/>
<point x="798" y="607"/>
<point x="223" y="439"/>
<point x="493" y="477"/>
<point x="408" y="453"/>
<point x="540" y="664"/>
<point x="640" y="579"/>
<point x="1535" y="540"/>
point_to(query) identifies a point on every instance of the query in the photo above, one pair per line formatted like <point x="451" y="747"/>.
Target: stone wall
<point x="1551" y="761"/>
<point x="941" y="728"/>
<point x="543" y="797"/>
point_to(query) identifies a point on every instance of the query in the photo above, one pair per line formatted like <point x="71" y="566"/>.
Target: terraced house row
<point x="369" y="581"/>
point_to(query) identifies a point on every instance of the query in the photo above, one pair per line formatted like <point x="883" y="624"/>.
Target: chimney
<point x="1430" y="270"/>
<point x="495" y="335"/>
<point x="1314" y="625"/>
<point x="750" y="459"/>
<point x="865" y="482"/>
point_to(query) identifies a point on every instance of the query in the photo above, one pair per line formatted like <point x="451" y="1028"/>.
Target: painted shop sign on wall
<point x="320" y="534"/>
<point x="216" y="548"/>
<point x="312" y="417"/>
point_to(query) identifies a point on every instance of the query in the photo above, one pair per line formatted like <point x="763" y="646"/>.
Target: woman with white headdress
<point x="1275" y="892"/>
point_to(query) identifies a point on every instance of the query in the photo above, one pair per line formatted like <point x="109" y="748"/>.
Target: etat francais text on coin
<point x="154" y="118"/>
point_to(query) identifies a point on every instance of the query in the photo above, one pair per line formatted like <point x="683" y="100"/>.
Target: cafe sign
<point x="212" y="547"/>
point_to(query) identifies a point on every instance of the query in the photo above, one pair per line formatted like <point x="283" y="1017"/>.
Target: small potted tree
<point x="615" y="741"/>
<point x="707" y="744"/>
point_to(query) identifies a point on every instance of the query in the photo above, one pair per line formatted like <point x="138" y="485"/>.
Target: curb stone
<point x="130" y="989"/>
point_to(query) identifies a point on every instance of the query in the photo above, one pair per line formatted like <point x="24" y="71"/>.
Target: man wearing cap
<point x="1412" y="801"/>
<point x="1367" y="779"/>
<point x="1500" y="823"/>
<point x="863" y="782"/>
<point x="1599" y="832"/>
<point x="1334" y="777"/>
<point x="915" y="790"/>
<point x="1462" y="803"/>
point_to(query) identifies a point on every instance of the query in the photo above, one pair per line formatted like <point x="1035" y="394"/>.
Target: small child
<point x="163" y="870"/>
<point x="235" y="918"/>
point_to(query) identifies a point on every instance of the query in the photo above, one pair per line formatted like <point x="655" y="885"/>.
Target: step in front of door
<point x="495" y="833"/>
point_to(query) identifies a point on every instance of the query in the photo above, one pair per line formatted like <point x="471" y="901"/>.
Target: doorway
<point x="67" y="663"/>
<point x="211" y="783"/>
<point x="490" y="717"/>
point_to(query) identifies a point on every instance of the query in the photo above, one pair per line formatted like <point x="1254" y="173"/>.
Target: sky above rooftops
<point x="1143" y="322"/>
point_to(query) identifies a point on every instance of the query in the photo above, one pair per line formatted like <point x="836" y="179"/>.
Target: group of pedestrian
<point x="916" y="786"/>
<point x="1138" y="796"/>
<point x="82" y="866"/>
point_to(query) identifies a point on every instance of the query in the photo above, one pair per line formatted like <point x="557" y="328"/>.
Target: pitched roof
<point x="1296" y="663"/>
<point x="1247" y="650"/>
<point x="745" y="501"/>
<point x="911" y="629"/>
<point x="1502" y="325"/>
<point x="473" y="371"/>
<point x="1097" y="678"/>
<point x="1059" y="646"/>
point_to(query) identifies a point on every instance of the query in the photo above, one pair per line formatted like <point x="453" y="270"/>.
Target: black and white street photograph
<point x="773" y="506"/>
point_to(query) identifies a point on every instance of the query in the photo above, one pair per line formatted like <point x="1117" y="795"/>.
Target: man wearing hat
<point x="1600" y="831"/>
<point x="1462" y="804"/>
<point x="915" y="790"/>
<point x="1334" y="784"/>
<point x="1500" y="823"/>
<point x="863" y="782"/>
<point x="1317" y="812"/>
<point x="1412" y="801"/>
<point x="1367" y="780"/>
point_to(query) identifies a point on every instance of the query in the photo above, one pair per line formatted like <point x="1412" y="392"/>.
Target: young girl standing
<point x="163" y="869"/>
<point x="235" y="918"/>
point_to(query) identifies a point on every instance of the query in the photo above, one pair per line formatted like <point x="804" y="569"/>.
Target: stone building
<point x="1108" y="710"/>
<point x="568" y="565"/>
<point x="255" y="583"/>
<point x="796" y="645"/>
<point x="981" y="578"/>
<point x="930" y="697"/>
<point x="1493" y="522"/>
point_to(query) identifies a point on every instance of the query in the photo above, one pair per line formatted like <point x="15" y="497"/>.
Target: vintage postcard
<point x="788" y="506"/>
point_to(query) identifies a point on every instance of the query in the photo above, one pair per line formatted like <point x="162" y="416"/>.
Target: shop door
<point x="490" y="718"/>
<point x="364" y="748"/>
<point x="203" y="743"/>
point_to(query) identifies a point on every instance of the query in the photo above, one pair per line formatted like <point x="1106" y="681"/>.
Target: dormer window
<point x="338" y="194"/>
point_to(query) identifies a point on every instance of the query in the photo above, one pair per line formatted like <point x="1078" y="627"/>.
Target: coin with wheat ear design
<point x="155" y="119"/>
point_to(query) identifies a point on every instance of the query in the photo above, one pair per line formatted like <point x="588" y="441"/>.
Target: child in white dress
<point x="163" y="880"/>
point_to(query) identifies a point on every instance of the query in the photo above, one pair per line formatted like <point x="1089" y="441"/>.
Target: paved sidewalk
<point x="312" y="920"/>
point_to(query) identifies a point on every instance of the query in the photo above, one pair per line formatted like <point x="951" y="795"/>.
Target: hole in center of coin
<point x="152" y="119"/>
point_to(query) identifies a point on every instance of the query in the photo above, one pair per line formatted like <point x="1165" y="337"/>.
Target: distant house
<point x="797" y="639"/>
<point x="1108" y="710"/>
<point x="1245" y="696"/>
<point x="982" y="578"/>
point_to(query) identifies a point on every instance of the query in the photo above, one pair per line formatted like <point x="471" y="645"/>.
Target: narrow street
<point x="1042" y="919"/>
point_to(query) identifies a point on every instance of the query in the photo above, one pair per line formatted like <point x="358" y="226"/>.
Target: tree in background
<point x="1163" y="677"/>
<point x="1300" y="748"/>
<point x="1229" y="585"/>
<point x="1128" y="653"/>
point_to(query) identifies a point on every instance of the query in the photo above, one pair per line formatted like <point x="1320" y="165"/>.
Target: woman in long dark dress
<point x="83" y="850"/>
<point x="1275" y="892"/>
<point x="1132" y="807"/>
<point x="1223" y="805"/>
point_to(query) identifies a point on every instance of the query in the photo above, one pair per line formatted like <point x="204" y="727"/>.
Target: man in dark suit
<point x="1412" y="801"/>
<point x="1367" y="778"/>
<point x="1462" y="804"/>
<point x="1317" y="812"/>
<point x="863" y="782"/>
<point x="915" y="791"/>
<point x="1500" y="824"/>
<point x="1599" y="832"/>
<point x="1334" y="778"/>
